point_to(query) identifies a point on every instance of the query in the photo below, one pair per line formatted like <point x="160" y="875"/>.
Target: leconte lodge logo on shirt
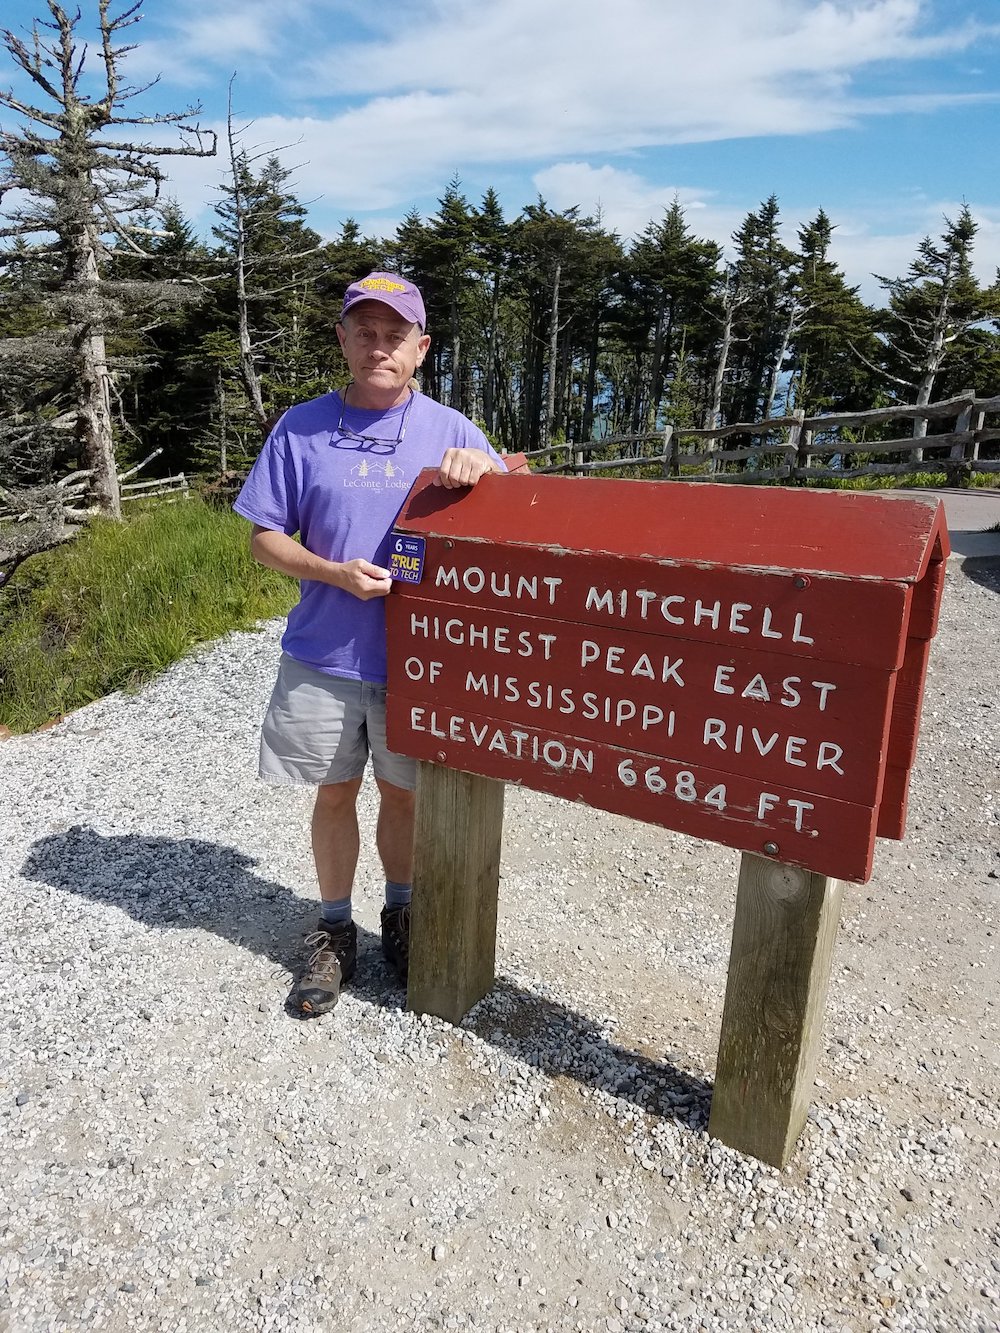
<point x="373" y="475"/>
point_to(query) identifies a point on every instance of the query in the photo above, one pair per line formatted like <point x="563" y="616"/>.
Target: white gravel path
<point x="181" y="1154"/>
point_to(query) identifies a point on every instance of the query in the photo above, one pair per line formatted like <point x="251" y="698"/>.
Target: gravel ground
<point x="182" y="1154"/>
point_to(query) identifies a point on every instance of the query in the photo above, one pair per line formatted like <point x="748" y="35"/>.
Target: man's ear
<point x="423" y="343"/>
<point x="341" y="333"/>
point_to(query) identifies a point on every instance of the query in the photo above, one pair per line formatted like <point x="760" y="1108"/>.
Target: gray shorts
<point x="320" y="729"/>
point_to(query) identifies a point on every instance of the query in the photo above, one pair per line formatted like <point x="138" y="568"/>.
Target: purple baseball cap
<point x="392" y="290"/>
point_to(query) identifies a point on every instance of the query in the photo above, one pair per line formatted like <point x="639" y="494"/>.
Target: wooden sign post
<point x="744" y="666"/>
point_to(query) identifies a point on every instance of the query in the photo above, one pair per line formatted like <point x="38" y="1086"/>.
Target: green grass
<point x="910" y="481"/>
<point x="124" y="600"/>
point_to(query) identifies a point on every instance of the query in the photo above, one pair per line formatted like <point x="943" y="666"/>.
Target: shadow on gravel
<point x="187" y="883"/>
<point x="984" y="570"/>
<point x="177" y="882"/>
<point x="565" y="1044"/>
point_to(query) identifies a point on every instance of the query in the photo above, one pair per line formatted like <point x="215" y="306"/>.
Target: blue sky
<point x="886" y="113"/>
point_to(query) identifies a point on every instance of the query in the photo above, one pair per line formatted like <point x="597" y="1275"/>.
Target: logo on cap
<point x="381" y="285"/>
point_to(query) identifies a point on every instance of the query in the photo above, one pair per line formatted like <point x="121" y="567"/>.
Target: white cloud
<point x="527" y="80"/>
<point x="568" y="40"/>
<point x="862" y="244"/>
<point x="552" y="77"/>
<point x="627" y="202"/>
<point x="882" y="239"/>
<point x="208" y="38"/>
<point x="556" y="87"/>
<point x="863" y="247"/>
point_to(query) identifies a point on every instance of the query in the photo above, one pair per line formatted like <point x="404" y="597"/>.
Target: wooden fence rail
<point x="680" y="452"/>
<point x="39" y="518"/>
<point x="142" y="490"/>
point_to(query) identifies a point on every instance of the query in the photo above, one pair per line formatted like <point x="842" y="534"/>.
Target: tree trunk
<point x="587" y="431"/>
<point x="93" y="391"/>
<point x="779" y="360"/>
<point x="932" y="364"/>
<point x="455" y="398"/>
<point x="94" y="423"/>
<point x="550" y="405"/>
<point x="714" y="414"/>
<point x="248" y="371"/>
<point x="489" y="384"/>
<point x="220" y="389"/>
<point x="661" y="351"/>
<point x="506" y="412"/>
<point x="638" y="395"/>
<point x="713" y="417"/>
<point x="530" y="398"/>
<point x="564" y="390"/>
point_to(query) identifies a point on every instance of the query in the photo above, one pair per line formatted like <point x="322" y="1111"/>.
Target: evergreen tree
<point x="547" y="253"/>
<point x="168" y="401"/>
<point x="271" y="260"/>
<point x="826" y="372"/>
<point x="670" y="279"/>
<point x="764" y="278"/>
<point x="600" y="259"/>
<point x="36" y="434"/>
<point x="933" y="310"/>
<point x="726" y="306"/>
<point x="451" y="266"/>
<point x="74" y="187"/>
<point x="492" y="246"/>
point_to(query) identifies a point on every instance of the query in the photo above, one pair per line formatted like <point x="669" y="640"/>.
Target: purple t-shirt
<point x="343" y="503"/>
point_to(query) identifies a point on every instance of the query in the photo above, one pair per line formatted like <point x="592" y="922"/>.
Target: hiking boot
<point x="330" y="966"/>
<point x="396" y="939"/>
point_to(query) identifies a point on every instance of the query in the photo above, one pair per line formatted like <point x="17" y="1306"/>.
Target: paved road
<point x="969" y="514"/>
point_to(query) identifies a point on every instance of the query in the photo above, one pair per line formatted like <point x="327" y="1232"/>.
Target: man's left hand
<point x="463" y="467"/>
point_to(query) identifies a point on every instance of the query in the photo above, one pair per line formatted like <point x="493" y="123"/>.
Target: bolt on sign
<point x="743" y="665"/>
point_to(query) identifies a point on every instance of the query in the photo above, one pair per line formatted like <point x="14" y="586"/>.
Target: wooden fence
<point x="134" y="490"/>
<point x="38" y="518"/>
<point x="798" y="448"/>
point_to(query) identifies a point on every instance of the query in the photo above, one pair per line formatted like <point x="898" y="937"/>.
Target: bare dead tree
<point x="732" y="298"/>
<point x="78" y="172"/>
<point x="795" y="313"/>
<point x="266" y="243"/>
<point x="34" y="519"/>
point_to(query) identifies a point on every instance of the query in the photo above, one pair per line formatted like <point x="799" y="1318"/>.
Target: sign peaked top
<point x="855" y="535"/>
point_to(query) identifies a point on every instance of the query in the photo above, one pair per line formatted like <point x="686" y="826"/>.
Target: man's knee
<point x="399" y="800"/>
<point x="335" y="797"/>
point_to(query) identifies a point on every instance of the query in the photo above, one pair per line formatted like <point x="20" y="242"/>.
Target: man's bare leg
<point x="335" y="838"/>
<point x="335" y="851"/>
<point x="394" y="832"/>
<point x="394" y="837"/>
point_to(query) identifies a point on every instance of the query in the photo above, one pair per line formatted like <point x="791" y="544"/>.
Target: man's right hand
<point x="278" y="551"/>
<point x="362" y="579"/>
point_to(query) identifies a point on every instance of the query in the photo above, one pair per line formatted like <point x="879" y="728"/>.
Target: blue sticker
<point x="406" y="558"/>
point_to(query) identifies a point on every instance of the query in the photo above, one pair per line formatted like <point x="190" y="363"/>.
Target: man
<point x="336" y="471"/>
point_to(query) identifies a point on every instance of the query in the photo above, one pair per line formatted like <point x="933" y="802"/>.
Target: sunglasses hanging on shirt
<point x="368" y="444"/>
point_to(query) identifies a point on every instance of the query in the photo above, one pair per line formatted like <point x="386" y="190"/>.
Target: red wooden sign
<point x="753" y="705"/>
<point x="747" y="712"/>
<point x="783" y="611"/>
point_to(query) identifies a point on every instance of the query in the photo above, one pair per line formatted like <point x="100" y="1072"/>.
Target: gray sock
<point x="336" y="914"/>
<point x="397" y="895"/>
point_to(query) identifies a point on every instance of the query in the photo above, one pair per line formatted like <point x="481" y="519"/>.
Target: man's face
<point x="382" y="350"/>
